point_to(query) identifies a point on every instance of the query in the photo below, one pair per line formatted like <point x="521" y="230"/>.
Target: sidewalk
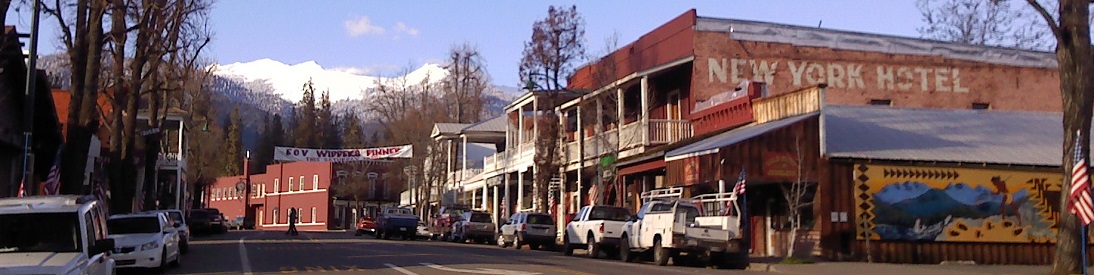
<point x="877" y="268"/>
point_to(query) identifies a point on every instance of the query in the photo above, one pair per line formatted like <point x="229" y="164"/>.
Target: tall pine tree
<point x="353" y="136"/>
<point x="234" y="143"/>
<point x="329" y="135"/>
<point x="306" y="132"/>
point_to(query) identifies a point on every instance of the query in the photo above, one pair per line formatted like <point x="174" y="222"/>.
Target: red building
<point x="305" y="186"/>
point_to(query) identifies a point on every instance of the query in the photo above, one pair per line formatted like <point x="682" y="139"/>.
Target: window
<point x="275" y="216"/>
<point x="301" y="188"/>
<point x="981" y="106"/>
<point x="290" y="184"/>
<point x="882" y="102"/>
<point x="277" y="186"/>
<point x="89" y="226"/>
<point x="313" y="214"/>
<point x="315" y="182"/>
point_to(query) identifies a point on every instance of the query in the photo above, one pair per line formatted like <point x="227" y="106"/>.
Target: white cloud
<point x="360" y="26"/>
<point x="403" y="28"/>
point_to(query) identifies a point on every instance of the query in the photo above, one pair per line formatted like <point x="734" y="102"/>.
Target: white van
<point x="54" y="235"/>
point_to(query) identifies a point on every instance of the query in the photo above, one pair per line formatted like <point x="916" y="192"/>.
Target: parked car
<point x="200" y="221"/>
<point x="396" y="222"/>
<point x="144" y="240"/>
<point x="176" y="216"/>
<point x="423" y="230"/>
<point x="366" y="225"/>
<point x="441" y="227"/>
<point x="669" y="227"/>
<point x="537" y="230"/>
<point x="47" y="235"/>
<point x="236" y="223"/>
<point x="218" y="223"/>
<point x="475" y="226"/>
<point x="598" y="228"/>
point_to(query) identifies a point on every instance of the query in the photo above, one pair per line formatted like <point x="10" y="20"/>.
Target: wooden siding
<point x="798" y="102"/>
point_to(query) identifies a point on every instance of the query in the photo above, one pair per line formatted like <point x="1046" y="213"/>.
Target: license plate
<point x="402" y="229"/>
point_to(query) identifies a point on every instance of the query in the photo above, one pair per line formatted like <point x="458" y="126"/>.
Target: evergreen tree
<point x="329" y="135"/>
<point x="234" y="143"/>
<point x="306" y="132"/>
<point x="277" y="132"/>
<point x="354" y="136"/>
<point x="263" y="155"/>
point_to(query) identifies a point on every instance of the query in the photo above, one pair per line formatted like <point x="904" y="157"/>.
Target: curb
<point x="761" y="267"/>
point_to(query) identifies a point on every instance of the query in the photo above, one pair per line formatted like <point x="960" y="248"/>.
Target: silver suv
<point x="537" y="230"/>
<point x="54" y="235"/>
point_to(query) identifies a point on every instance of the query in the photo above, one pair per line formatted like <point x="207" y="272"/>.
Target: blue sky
<point x="385" y="37"/>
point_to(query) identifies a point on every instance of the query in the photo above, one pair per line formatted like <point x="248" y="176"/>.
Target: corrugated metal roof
<point x="496" y="124"/>
<point x="710" y="145"/>
<point x="857" y="41"/>
<point x="969" y="136"/>
<point x="448" y="128"/>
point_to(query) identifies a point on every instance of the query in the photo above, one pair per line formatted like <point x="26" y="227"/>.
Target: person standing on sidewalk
<point x="292" y="222"/>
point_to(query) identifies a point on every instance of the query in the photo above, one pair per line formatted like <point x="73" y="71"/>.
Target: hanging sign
<point x="341" y="155"/>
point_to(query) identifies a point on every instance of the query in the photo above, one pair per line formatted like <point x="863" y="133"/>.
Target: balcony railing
<point x="663" y="131"/>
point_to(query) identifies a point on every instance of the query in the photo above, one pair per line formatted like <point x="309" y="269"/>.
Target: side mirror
<point x="102" y="246"/>
<point x="177" y="225"/>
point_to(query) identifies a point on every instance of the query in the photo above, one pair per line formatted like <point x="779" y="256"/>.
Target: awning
<point x="712" y="144"/>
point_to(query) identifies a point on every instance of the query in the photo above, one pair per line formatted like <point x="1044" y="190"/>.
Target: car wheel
<point x="358" y="233"/>
<point x="178" y="260"/>
<point x="567" y="248"/>
<point x="501" y="241"/>
<point x="660" y="254"/>
<point x="163" y="261"/>
<point x="184" y="247"/>
<point x="592" y="247"/>
<point x="377" y="234"/>
<point x="516" y="242"/>
<point x="625" y="249"/>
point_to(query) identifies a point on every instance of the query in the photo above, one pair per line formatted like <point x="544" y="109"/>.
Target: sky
<point x="386" y="38"/>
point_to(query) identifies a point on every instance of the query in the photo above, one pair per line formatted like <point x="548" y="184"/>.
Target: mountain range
<point x="266" y="87"/>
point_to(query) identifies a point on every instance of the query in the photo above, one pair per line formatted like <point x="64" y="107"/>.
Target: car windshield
<point x="609" y="213"/>
<point x="540" y="219"/>
<point x="39" y="232"/>
<point x="135" y="225"/>
<point x="480" y="217"/>
<point x="175" y="216"/>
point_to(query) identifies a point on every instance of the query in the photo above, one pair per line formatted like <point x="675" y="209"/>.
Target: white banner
<point x="342" y="155"/>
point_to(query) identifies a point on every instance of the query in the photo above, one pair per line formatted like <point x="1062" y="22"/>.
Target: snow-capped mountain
<point x="287" y="80"/>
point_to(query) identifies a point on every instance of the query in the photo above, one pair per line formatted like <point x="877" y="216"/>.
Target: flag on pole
<point x="22" y="192"/>
<point x="53" y="180"/>
<point x="1081" y="204"/>
<point x="738" y="192"/>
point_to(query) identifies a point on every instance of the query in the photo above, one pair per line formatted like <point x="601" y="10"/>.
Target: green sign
<point x="607" y="160"/>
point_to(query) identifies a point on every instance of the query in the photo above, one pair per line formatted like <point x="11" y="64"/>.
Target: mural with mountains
<point x="948" y="204"/>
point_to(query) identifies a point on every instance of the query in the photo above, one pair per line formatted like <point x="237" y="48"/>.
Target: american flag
<point x="22" y="192"/>
<point x="53" y="180"/>
<point x="738" y="192"/>
<point x="739" y="187"/>
<point x="1081" y="204"/>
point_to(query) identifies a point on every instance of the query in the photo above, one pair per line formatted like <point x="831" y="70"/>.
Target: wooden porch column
<point x="645" y="94"/>
<point x="520" y="189"/>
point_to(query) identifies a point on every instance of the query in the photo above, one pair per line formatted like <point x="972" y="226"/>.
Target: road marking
<point x="478" y="271"/>
<point x="400" y="269"/>
<point x="243" y="257"/>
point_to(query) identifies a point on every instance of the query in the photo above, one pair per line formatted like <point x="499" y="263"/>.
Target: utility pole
<point x="28" y="106"/>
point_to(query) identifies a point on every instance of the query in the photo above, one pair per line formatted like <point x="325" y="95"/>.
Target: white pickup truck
<point x="597" y="228"/>
<point x="705" y="227"/>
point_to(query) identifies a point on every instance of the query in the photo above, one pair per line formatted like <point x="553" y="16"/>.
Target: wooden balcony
<point x="665" y="131"/>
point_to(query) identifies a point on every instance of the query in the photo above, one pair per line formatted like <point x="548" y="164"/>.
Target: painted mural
<point x="906" y="203"/>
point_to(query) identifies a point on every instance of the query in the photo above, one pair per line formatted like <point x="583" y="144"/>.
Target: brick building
<point x="306" y="186"/>
<point x="696" y="99"/>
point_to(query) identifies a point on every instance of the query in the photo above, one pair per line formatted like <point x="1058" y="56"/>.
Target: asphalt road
<point x="261" y="252"/>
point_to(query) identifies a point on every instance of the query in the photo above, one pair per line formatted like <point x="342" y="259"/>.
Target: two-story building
<point x="695" y="100"/>
<point x="309" y="187"/>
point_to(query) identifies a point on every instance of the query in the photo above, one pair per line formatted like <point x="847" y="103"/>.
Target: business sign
<point x="342" y="155"/>
<point x="780" y="165"/>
